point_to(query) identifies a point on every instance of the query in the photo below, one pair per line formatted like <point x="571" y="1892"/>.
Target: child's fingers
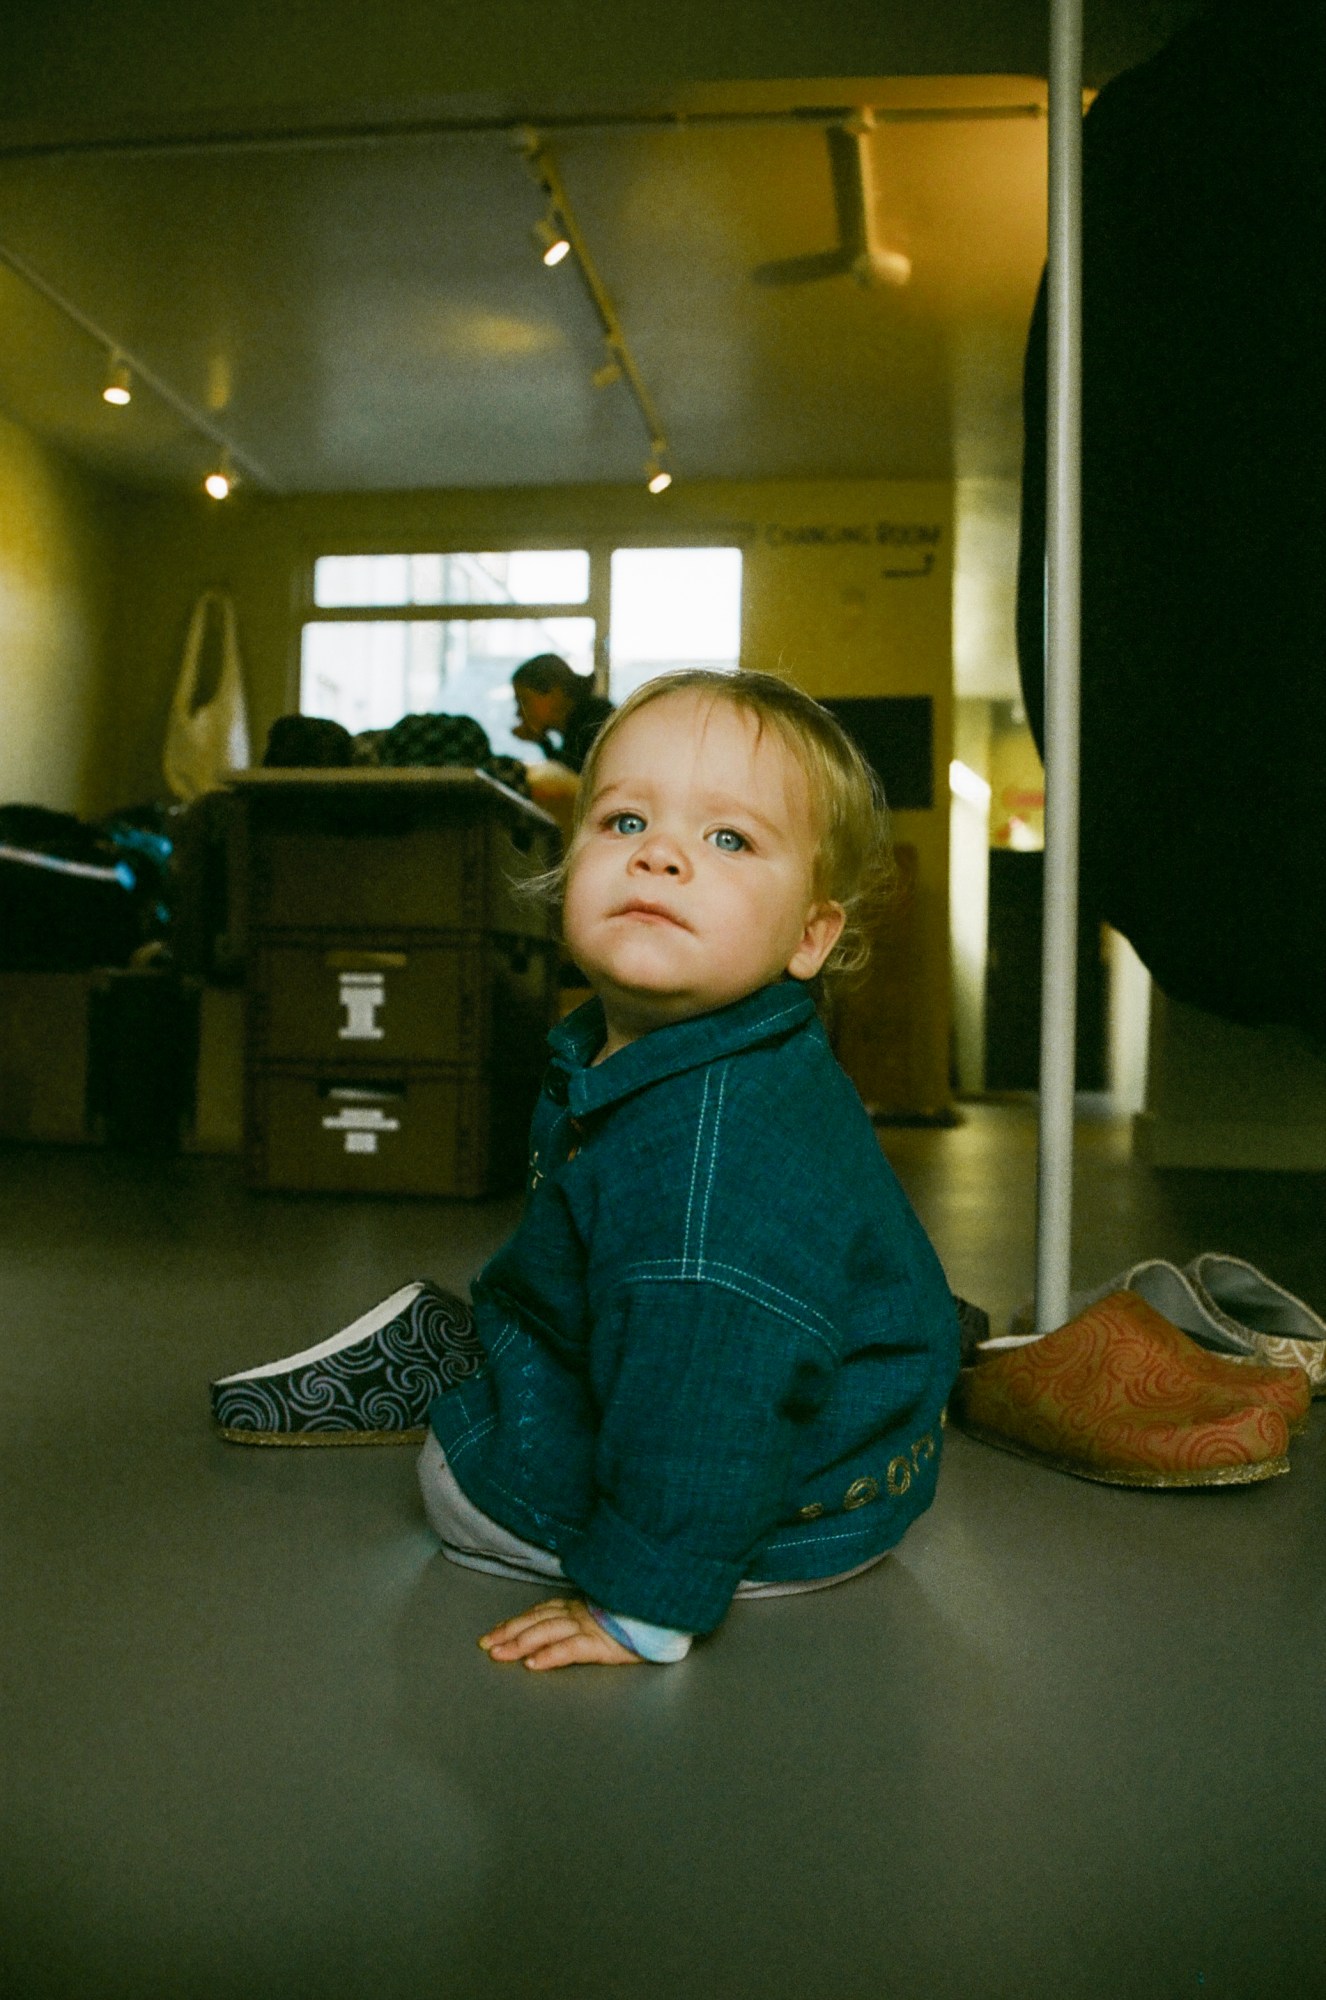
<point x="581" y="1649"/>
<point x="557" y="1633"/>
<point x="511" y="1627"/>
<point x="534" y="1633"/>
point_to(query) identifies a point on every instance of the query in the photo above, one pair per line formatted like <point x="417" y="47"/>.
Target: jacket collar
<point x="762" y="1016"/>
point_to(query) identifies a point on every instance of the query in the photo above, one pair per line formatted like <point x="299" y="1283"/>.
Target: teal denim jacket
<point x="719" y="1342"/>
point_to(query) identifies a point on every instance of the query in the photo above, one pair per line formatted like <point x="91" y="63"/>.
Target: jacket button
<point x="861" y="1492"/>
<point x="811" y="1512"/>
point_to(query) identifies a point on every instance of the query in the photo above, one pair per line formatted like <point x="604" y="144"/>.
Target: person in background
<point x="555" y="701"/>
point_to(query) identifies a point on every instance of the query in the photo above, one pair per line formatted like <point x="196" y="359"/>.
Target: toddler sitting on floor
<point x="712" y="1359"/>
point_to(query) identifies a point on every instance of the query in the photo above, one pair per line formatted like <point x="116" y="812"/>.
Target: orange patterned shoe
<point x="1284" y="1386"/>
<point x="1120" y="1395"/>
<point x="1226" y="1305"/>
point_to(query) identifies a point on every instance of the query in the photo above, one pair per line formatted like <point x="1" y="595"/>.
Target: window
<point x="673" y="608"/>
<point x="393" y="635"/>
<point x="367" y="672"/>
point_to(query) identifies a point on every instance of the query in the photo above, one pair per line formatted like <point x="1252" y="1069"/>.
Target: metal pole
<point x="1063" y="592"/>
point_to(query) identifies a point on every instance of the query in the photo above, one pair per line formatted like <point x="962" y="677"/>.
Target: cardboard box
<point x="218" y="1107"/>
<point x="390" y="850"/>
<point x="876" y="1021"/>
<point x="458" y="1132"/>
<point x="48" y="1056"/>
<point x="44" y="1056"/>
<point x="466" y="998"/>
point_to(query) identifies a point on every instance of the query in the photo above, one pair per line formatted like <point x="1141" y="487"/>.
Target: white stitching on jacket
<point x="657" y="1269"/>
<point x="471" y="1437"/>
<point x="713" y="1161"/>
<point x="727" y="1285"/>
<point x="695" y="1169"/>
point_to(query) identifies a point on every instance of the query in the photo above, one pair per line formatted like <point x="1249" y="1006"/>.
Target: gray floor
<point x="1063" y="1743"/>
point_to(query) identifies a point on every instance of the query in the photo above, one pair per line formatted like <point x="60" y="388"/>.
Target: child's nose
<point x="658" y="854"/>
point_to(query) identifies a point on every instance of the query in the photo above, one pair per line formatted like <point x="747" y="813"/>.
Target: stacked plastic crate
<point x="401" y="979"/>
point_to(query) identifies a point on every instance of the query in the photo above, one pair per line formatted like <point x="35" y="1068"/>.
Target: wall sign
<point x="912" y="544"/>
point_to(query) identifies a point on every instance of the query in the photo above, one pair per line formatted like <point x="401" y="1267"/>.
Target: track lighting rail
<point x="195" y="419"/>
<point x="324" y="138"/>
<point x="619" y="357"/>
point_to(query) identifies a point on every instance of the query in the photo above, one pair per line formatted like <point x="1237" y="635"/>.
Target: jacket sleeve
<point x="705" y="1389"/>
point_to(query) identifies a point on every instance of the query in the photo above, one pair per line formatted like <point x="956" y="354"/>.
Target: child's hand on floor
<point x="560" y="1632"/>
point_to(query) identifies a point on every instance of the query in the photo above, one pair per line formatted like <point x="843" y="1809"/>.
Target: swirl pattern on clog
<point x="382" y="1383"/>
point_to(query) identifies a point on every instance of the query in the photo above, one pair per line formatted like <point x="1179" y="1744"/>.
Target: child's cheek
<point x="576" y="902"/>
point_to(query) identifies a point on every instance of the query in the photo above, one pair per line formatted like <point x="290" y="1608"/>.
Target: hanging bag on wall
<point x="206" y="739"/>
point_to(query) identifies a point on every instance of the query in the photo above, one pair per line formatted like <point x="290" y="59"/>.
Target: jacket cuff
<point x="662" y="1582"/>
<point x="659" y="1644"/>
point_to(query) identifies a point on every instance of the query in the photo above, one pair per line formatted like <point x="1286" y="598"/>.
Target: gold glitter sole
<point x="318" y="1438"/>
<point x="1153" y="1482"/>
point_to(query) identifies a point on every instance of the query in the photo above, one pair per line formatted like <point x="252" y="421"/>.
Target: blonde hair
<point x="853" y="858"/>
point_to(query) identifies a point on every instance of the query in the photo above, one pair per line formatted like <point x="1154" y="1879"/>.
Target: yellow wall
<point x="838" y="596"/>
<point x="55" y="583"/>
<point x="862" y="612"/>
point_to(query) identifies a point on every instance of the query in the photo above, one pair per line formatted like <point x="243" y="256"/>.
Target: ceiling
<point x="354" y="317"/>
<point x="357" y="305"/>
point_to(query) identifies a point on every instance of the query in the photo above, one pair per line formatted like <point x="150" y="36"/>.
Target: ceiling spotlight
<point x="657" y="475"/>
<point x="119" y="386"/>
<point x="220" y="483"/>
<point x="552" y="240"/>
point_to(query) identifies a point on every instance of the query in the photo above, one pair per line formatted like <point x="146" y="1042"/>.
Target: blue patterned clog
<point x="371" y="1383"/>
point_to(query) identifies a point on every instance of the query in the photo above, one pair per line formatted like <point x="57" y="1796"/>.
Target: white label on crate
<point x="361" y="1126"/>
<point x="362" y="993"/>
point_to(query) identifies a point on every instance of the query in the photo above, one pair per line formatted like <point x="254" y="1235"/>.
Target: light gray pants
<point x="473" y="1539"/>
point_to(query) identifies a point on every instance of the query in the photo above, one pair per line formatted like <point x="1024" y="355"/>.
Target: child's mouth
<point x="650" y="913"/>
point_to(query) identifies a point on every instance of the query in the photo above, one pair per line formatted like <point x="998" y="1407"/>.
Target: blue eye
<point x="728" y="840"/>
<point x="627" y="822"/>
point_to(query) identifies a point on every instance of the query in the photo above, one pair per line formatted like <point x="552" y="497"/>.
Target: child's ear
<point x="824" y="927"/>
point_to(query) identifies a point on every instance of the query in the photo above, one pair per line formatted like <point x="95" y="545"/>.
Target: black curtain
<point x="1204" y="666"/>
